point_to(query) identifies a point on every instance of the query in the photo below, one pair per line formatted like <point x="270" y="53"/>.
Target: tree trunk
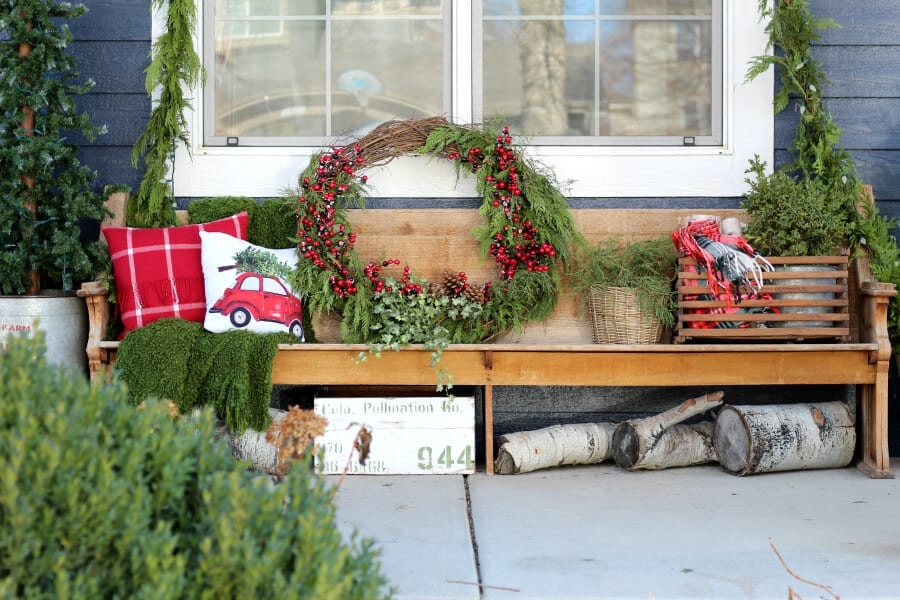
<point x="27" y="125"/>
<point x="555" y="446"/>
<point x="659" y="442"/>
<point x="783" y="437"/>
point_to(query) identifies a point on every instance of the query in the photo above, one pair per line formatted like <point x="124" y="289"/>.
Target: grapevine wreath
<point x="527" y="229"/>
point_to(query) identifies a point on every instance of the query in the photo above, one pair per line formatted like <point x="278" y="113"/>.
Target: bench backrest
<point x="433" y="240"/>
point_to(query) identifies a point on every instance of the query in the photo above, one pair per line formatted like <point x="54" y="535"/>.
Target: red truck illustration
<point x="260" y="298"/>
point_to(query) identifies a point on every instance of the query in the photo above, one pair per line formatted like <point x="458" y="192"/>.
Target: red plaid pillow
<point x="158" y="271"/>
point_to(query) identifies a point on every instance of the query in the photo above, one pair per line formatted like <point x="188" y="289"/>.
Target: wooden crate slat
<point x="830" y="317"/>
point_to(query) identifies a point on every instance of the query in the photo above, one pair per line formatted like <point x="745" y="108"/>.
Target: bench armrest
<point x="96" y="296"/>
<point x="874" y="299"/>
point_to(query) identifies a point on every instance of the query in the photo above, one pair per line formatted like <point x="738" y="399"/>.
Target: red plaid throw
<point x="730" y="266"/>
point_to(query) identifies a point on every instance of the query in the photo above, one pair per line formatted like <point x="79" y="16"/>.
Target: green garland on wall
<point x="174" y="67"/>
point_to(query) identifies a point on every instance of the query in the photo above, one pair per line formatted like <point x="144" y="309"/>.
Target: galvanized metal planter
<point x="62" y="318"/>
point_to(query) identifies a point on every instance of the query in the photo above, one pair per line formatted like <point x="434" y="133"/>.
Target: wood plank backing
<point x="432" y="240"/>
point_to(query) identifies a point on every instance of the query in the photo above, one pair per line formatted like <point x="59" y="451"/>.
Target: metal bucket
<point x="62" y="318"/>
<point x="806" y="296"/>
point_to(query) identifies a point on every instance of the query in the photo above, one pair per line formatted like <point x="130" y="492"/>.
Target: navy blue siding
<point x="112" y="47"/>
<point x="862" y="60"/>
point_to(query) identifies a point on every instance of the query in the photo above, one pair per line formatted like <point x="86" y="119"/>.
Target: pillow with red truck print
<point x="247" y="287"/>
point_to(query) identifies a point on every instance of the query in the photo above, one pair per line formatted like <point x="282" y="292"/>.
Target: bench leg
<point x="489" y="429"/>
<point x="872" y="420"/>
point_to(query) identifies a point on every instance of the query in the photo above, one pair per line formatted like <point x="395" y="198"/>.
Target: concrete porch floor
<point x="601" y="532"/>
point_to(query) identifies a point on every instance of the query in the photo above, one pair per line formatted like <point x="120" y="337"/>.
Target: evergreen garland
<point x="44" y="190"/>
<point x="792" y="28"/>
<point x="175" y="66"/>
<point x="527" y="229"/>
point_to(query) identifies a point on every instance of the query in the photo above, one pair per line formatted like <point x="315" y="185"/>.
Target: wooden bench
<point x="560" y="351"/>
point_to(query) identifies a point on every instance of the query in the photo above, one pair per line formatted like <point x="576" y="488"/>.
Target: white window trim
<point x="582" y="171"/>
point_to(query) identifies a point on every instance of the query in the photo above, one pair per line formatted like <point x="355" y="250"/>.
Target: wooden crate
<point x="765" y="319"/>
<point x="410" y="435"/>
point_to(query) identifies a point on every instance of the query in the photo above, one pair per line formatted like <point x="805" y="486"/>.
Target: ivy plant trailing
<point x="527" y="229"/>
<point x="792" y="28"/>
<point x="44" y="189"/>
<point x="174" y="67"/>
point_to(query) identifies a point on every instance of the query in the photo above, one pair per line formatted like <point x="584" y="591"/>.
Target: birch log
<point x="555" y="446"/>
<point x="660" y="442"/>
<point x="783" y="437"/>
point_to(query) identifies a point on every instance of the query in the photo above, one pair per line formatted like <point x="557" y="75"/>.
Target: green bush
<point x="219" y="207"/>
<point x="273" y="224"/>
<point x="102" y="500"/>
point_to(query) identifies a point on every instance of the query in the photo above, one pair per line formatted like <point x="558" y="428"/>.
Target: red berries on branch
<point x="321" y="242"/>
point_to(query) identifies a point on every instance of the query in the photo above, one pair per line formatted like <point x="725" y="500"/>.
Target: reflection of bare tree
<point x="543" y="52"/>
<point x="671" y="79"/>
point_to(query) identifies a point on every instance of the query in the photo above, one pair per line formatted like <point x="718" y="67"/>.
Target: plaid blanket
<point x="733" y="272"/>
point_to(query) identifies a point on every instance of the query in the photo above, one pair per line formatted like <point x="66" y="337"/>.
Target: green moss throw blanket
<point x="178" y="360"/>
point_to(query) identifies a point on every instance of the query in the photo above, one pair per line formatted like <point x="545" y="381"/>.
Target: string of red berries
<point x="517" y="244"/>
<point x="321" y="242"/>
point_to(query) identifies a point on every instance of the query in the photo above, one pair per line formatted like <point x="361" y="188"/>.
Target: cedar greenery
<point x="647" y="266"/>
<point x="792" y="28"/>
<point x="174" y="66"/>
<point x="44" y="189"/>
<point x="794" y="217"/>
<point x="101" y="499"/>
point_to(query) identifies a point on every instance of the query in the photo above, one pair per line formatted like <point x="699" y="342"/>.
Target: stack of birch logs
<point x="742" y="439"/>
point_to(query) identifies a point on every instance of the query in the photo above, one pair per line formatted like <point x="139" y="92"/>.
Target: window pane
<point x="270" y="85"/>
<point x="385" y="69"/>
<point x="637" y="68"/>
<point x="280" y="70"/>
<point x="387" y="7"/>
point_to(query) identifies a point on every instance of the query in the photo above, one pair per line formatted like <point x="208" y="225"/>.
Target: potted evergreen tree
<point x="45" y="192"/>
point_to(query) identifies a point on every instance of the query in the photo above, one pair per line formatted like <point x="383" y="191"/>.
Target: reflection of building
<point x="277" y="73"/>
<point x="636" y="69"/>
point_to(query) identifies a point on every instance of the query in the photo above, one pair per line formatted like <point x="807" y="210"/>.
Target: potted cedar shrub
<point x="796" y="215"/>
<point x="792" y="29"/>
<point x="45" y="193"/>
<point x="628" y="287"/>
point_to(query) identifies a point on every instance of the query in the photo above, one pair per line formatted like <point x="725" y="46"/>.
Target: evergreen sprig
<point x="254" y="260"/>
<point x="174" y="68"/>
<point x="44" y="189"/>
<point x="792" y="29"/>
<point x="646" y="266"/>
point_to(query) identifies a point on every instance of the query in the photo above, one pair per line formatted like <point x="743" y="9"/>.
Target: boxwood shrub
<point x="99" y="499"/>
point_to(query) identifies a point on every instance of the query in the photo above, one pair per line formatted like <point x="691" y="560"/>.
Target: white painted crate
<point x="410" y="435"/>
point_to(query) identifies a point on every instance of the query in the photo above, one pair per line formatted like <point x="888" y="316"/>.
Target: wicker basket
<point x="618" y="318"/>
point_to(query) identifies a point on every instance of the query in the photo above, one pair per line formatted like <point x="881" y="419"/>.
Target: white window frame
<point x="583" y="171"/>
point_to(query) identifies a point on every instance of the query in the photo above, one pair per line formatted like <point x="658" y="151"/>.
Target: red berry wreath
<point x="527" y="229"/>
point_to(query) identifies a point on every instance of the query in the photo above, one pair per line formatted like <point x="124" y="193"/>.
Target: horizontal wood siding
<point x="112" y="47"/>
<point x="861" y="59"/>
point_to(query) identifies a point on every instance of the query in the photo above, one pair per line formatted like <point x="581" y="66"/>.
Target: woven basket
<point x="618" y="318"/>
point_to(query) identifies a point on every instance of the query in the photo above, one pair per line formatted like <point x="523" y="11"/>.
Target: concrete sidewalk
<point x="601" y="532"/>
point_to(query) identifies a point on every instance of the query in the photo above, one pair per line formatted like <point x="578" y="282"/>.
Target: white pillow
<point x="246" y="286"/>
